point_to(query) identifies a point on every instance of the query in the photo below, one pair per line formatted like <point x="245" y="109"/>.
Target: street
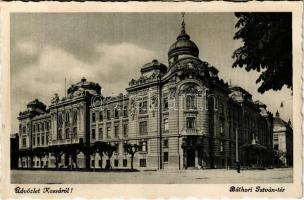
<point x="283" y="175"/>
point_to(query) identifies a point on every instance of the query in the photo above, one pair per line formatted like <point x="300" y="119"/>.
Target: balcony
<point x="64" y="141"/>
<point x="191" y="131"/>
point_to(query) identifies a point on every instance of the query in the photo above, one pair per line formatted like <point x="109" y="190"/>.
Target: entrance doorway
<point x="190" y="158"/>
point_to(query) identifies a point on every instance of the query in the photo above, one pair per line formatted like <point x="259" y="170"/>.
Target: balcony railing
<point x="64" y="141"/>
<point x="191" y="131"/>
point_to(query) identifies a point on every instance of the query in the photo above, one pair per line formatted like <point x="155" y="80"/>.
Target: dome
<point x="84" y="85"/>
<point x="183" y="45"/>
<point x="154" y="65"/>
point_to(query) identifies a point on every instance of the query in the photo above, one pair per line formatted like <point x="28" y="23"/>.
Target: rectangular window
<point x="166" y="143"/>
<point x="38" y="140"/>
<point x="24" y="142"/>
<point x="34" y="140"/>
<point x="166" y="122"/>
<point x="190" y="123"/>
<point x="93" y="134"/>
<point x="42" y="140"/>
<point x="93" y="117"/>
<point x="124" y="162"/>
<point x="93" y="163"/>
<point x="116" y="131"/>
<point x="143" y="128"/>
<point x="166" y="157"/>
<point x="221" y="127"/>
<point x="108" y="114"/>
<point x="100" y="116"/>
<point x="142" y="163"/>
<point x="100" y="133"/>
<point x="190" y="102"/>
<point x="143" y="107"/>
<point x="116" y="113"/>
<point x="116" y="163"/>
<point x="108" y="131"/>
<point x="125" y="111"/>
<point x="276" y="147"/>
<point x="125" y="130"/>
<point x="166" y="104"/>
<point x="100" y="163"/>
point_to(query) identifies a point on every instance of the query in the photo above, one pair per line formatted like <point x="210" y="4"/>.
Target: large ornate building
<point x="282" y="141"/>
<point x="181" y="115"/>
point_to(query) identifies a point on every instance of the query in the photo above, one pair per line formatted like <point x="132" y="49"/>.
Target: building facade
<point x="282" y="141"/>
<point x="181" y="115"/>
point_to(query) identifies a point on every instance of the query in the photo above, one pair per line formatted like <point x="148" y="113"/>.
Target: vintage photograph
<point x="151" y="98"/>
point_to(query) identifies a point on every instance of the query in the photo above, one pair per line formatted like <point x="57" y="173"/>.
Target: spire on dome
<point x="183" y="34"/>
<point x="277" y="114"/>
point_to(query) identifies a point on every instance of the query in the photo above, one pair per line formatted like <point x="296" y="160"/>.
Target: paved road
<point x="163" y="177"/>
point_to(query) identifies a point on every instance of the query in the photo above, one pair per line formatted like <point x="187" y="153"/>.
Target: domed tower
<point x="183" y="46"/>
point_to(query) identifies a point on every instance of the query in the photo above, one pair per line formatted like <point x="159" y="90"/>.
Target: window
<point x="24" y="130"/>
<point x="221" y="109"/>
<point x="221" y="127"/>
<point x="144" y="146"/>
<point x="108" y="114"/>
<point x="190" y="122"/>
<point x="60" y="119"/>
<point x="47" y="138"/>
<point x="116" y="148"/>
<point x="93" y="163"/>
<point x="67" y="133"/>
<point x="166" y="104"/>
<point x="125" y="130"/>
<point x="34" y="140"/>
<point x="166" y="156"/>
<point x="116" y="113"/>
<point x="59" y="134"/>
<point x="116" y="129"/>
<point x="93" y="117"/>
<point x="276" y="138"/>
<point x="67" y="118"/>
<point x="38" y="128"/>
<point x="143" y="128"/>
<point x="166" y="143"/>
<point x="75" y="116"/>
<point x="42" y="139"/>
<point x="34" y="128"/>
<point x="124" y="162"/>
<point x="42" y="126"/>
<point x="100" y="133"/>
<point x="166" y="122"/>
<point x="276" y="147"/>
<point x="116" y="163"/>
<point x="190" y="103"/>
<point x="24" y="142"/>
<point x="100" y="163"/>
<point x="108" y="131"/>
<point x="93" y="134"/>
<point x="100" y="116"/>
<point x="125" y="111"/>
<point x="38" y="140"/>
<point x="37" y="163"/>
<point x="143" y="107"/>
<point x="142" y="163"/>
<point x="222" y="147"/>
<point x="75" y="132"/>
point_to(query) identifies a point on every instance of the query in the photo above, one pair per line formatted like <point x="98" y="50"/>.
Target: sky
<point x="110" y="48"/>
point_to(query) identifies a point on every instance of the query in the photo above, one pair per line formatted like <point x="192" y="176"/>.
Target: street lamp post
<point x="71" y="156"/>
<point x="238" y="167"/>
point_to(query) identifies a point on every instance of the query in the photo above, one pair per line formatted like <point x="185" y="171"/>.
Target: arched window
<point x="67" y="133"/>
<point x="60" y="121"/>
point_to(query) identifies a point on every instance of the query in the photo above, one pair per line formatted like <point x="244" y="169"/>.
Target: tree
<point x="267" y="48"/>
<point x="132" y="149"/>
<point x="108" y="151"/>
